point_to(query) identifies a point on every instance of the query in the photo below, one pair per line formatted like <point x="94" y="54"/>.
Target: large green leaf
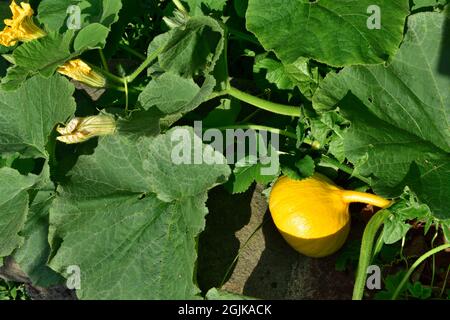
<point x="29" y="114"/>
<point x="44" y="55"/>
<point x="14" y="78"/>
<point x="90" y="37"/>
<point x="129" y="218"/>
<point x="286" y="77"/>
<point x="32" y="256"/>
<point x="427" y="3"/>
<point x="53" y="13"/>
<point x="13" y="208"/>
<point x="329" y="31"/>
<point x="400" y="129"/>
<point x="193" y="48"/>
<point x="172" y="94"/>
<point x="215" y="294"/>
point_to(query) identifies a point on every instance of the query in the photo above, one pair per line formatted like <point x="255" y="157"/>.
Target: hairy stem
<point x="108" y="75"/>
<point x="365" y="254"/>
<point x="151" y="57"/>
<point x="103" y="58"/>
<point x="282" y="109"/>
<point x="257" y="127"/>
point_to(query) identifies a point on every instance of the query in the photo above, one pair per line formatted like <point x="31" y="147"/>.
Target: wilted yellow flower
<point x="82" y="129"/>
<point x="79" y="70"/>
<point x="21" y="27"/>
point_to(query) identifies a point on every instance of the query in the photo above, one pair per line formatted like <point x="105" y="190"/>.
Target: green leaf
<point x="394" y="229"/>
<point x="16" y="75"/>
<point x="215" y="294"/>
<point x="174" y="96"/>
<point x="391" y="283"/>
<point x="417" y="290"/>
<point x="405" y="209"/>
<point x="32" y="256"/>
<point x="225" y="114"/>
<point x="399" y="116"/>
<point x="91" y="37"/>
<point x="327" y="30"/>
<point x="306" y="166"/>
<point x="287" y="77"/>
<point x="44" y="55"/>
<point x="29" y="114"/>
<point x="111" y="222"/>
<point x="170" y="93"/>
<point x="418" y="4"/>
<point x="446" y="229"/>
<point x="53" y="13"/>
<point x="348" y="255"/>
<point x="193" y="48"/>
<point x="13" y="208"/>
<point x="247" y="171"/>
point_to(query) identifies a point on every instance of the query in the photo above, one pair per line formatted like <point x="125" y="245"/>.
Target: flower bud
<point x="82" y="129"/>
<point x="80" y="71"/>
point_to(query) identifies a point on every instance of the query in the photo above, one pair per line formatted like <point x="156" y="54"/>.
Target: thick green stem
<point x="103" y="58"/>
<point x="108" y="75"/>
<point x="282" y="109"/>
<point x="365" y="254"/>
<point x="421" y="259"/>
<point x="259" y="128"/>
<point x="151" y="57"/>
<point x="125" y="82"/>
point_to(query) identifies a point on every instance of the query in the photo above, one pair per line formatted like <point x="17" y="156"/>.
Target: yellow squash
<point x="313" y="214"/>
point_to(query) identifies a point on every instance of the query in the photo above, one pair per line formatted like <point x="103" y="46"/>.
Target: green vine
<point x="365" y="255"/>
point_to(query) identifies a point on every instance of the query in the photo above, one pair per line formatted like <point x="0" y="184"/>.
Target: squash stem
<point x="366" y="252"/>
<point x="354" y="196"/>
<point x="292" y="111"/>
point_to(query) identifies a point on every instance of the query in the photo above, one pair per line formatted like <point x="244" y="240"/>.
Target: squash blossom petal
<point x="80" y="71"/>
<point x="21" y="26"/>
<point x="82" y="129"/>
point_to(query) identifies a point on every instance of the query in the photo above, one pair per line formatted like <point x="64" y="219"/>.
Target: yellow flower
<point x="21" y="27"/>
<point x="82" y="129"/>
<point x="79" y="70"/>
